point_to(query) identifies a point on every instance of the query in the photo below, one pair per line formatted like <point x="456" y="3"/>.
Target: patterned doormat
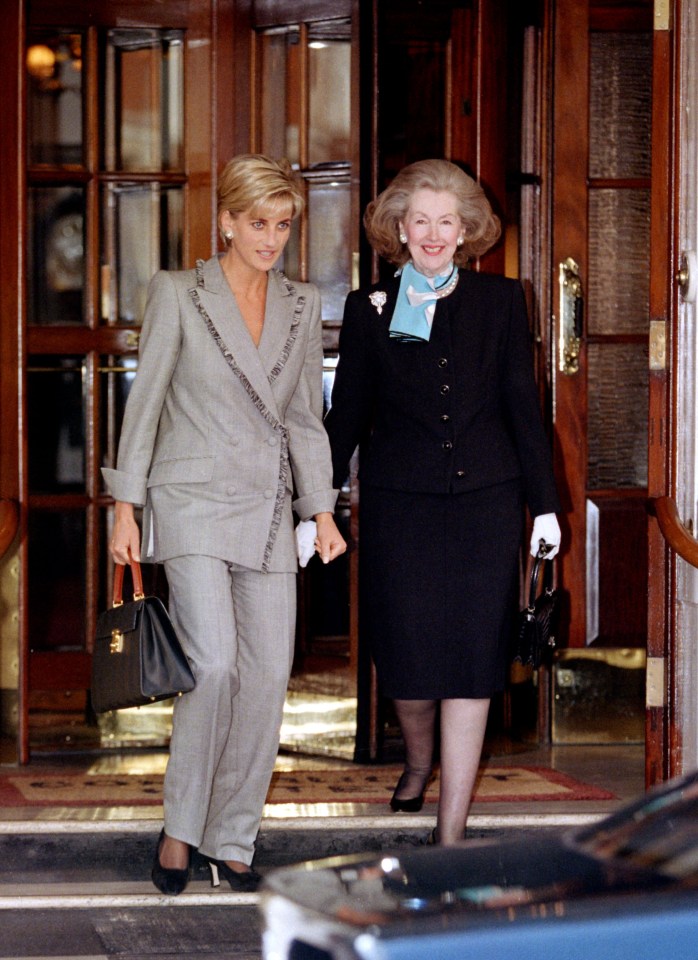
<point x="506" y="784"/>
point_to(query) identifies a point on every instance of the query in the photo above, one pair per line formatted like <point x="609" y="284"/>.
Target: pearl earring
<point x="459" y="241"/>
<point x="228" y="234"/>
<point x="403" y="238"/>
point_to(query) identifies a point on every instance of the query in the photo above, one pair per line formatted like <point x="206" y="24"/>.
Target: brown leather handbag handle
<point x="136" y="576"/>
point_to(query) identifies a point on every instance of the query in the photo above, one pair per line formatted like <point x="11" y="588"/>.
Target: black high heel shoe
<point x="168" y="881"/>
<point x="408" y="804"/>
<point x="245" y="881"/>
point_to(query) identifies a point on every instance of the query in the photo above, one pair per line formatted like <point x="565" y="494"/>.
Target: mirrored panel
<point x="56" y="424"/>
<point x="56" y="255"/>
<point x="329" y="212"/>
<point x="143" y="100"/>
<point x="55" y="98"/>
<point x="329" y="91"/>
<point x="116" y="376"/>
<point x="617" y="415"/>
<point x="143" y="226"/>
<point x="56" y="552"/>
<point x="619" y="243"/>
<point x="620" y="104"/>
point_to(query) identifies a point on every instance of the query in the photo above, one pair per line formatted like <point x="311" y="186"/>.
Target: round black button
<point x="443" y="362"/>
<point x="447" y="445"/>
<point x="444" y="389"/>
<point x="444" y="418"/>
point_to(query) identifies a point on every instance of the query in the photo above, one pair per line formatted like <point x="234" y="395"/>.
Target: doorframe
<point x="661" y="731"/>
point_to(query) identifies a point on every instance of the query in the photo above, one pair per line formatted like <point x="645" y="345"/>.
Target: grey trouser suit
<point x="220" y="440"/>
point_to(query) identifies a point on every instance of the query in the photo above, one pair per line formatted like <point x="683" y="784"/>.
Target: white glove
<point x="546" y="527"/>
<point x="306" y="531"/>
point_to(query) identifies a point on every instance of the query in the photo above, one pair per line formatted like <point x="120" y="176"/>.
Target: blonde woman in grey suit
<point x="222" y="439"/>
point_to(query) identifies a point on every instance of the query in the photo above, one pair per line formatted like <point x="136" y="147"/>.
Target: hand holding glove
<point x="546" y="527"/>
<point x="306" y="532"/>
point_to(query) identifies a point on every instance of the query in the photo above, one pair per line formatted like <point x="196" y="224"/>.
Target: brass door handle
<point x="571" y="316"/>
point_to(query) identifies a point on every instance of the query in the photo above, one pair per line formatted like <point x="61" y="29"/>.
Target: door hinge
<point x="662" y="14"/>
<point x="657" y="344"/>
<point x="655" y="690"/>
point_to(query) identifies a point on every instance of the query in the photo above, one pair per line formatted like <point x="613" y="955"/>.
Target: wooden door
<point x="600" y="298"/>
<point x="119" y="160"/>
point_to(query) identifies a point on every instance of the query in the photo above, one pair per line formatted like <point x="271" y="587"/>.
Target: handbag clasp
<point x="117" y="642"/>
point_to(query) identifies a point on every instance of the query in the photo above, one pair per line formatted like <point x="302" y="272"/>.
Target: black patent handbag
<point x="538" y="621"/>
<point x="137" y="658"/>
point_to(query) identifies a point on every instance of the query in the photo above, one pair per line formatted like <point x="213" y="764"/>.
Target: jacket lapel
<point x="216" y="304"/>
<point x="283" y="311"/>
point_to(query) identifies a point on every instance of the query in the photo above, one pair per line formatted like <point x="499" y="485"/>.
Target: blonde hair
<point x="481" y="226"/>
<point x="252" y="181"/>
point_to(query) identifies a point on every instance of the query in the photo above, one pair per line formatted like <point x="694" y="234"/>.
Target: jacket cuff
<point x="126" y="486"/>
<point x="322" y="501"/>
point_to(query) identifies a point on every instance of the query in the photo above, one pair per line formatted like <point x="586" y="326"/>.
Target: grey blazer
<point x="219" y="434"/>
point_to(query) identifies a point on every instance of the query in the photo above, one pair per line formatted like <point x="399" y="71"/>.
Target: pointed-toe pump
<point x="245" y="881"/>
<point x="408" y="804"/>
<point x="168" y="881"/>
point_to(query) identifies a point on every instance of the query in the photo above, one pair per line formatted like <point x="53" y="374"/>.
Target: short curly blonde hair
<point x="252" y="181"/>
<point x="481" y="226"/>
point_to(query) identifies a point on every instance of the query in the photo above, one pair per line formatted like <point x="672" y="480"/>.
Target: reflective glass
<point x="619" y="243"/>
<point x="617" y="415"/>
<point x="329" y="212"/>
<point x="56" y="614"/>
<point x="329" y="83"/>
<point x="116" y="378"/>
<point x="56" y="424"/>
<point x="279" y="87"/>
<point x="55" y="98"/>
<point x="143" y="227"/>
<point x="143" y="100"/>
<point x="56" y="255"/>
<point x="620" y="104"/>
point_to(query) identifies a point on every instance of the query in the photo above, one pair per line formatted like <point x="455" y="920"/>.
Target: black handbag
<point x="137" y="658"/>
<point x="538" y="621"/>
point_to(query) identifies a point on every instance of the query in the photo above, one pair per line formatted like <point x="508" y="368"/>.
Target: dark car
<point x="623" y="889"/>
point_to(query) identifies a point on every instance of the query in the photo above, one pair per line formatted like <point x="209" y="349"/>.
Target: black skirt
<point x="439" y="589"/>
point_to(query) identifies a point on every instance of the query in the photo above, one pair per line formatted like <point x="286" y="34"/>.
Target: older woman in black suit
<point x="435" y="381"/>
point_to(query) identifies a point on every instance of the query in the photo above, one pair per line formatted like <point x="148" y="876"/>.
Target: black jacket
<point x="458" y="413"/>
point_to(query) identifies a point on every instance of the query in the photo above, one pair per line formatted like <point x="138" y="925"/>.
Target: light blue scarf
<point x="416" y="302"/>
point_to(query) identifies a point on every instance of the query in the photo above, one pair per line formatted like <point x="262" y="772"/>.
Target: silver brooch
<point x="378" y="300"/>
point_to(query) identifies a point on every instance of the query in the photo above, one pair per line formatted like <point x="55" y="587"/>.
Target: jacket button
<point x="447" y="445"/>
<point x="268" y="494"/>
<point x="230" y="491"/>
<point x="272" y="441"/>
<point x="460" y="473"/>
<point x="444" y="389"/>
<point x="443" y="362"/>
<point x="444" y="418"/>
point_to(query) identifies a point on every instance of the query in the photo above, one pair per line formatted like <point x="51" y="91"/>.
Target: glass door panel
<point x="56" y="424"/>
<point x="56" y="254"/>
<point x="55" y="98"/>
<point x="143" y="231"/>
<point x="143" y="100"/>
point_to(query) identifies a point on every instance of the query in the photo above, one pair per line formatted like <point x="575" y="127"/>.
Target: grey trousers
<point x="237" y="628"/>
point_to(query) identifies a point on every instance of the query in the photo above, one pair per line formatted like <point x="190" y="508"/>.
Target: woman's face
<point x="259" y="235"/>
<point x="432" y="227"/>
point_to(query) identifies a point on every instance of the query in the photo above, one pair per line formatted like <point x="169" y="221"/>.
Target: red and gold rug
<point x="504" y="784"/>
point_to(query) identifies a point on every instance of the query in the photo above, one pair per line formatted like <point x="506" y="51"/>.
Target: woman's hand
<point x="329" y="542"/>
<point x="546" y="527"/>
<point x="126" y="538"/>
